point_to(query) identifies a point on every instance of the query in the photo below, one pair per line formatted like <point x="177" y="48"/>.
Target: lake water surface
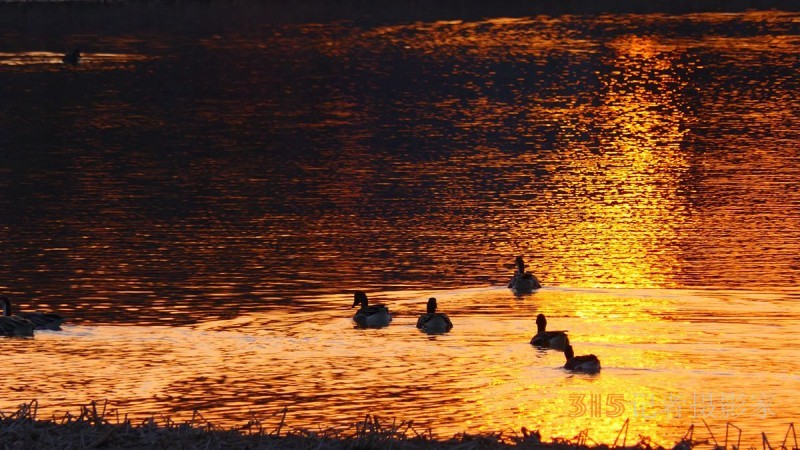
<point x="201" y="207"/>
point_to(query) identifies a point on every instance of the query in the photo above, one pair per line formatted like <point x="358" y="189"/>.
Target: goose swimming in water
<point x="40" y="321"/>
<point x="370" y="316"/>
<point x="13" y="325"/>
<point x="73" y="57"/>
<point x="523" y="282"/>
<point x="549" y="339"/>
<point x="585" y="363"/>
<point x="432" y="322"/>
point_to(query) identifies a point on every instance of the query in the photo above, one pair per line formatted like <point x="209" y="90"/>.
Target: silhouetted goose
<point x="432" y="322"/>
<point x="370" y="316"/>
<point x="550" y="339"/>
<point x="40" y="321"/>
<point x="13" y="325"/>
<point x="523" y="282"/>
<point x="585" y="363"/>
<point x="73" y="57"/>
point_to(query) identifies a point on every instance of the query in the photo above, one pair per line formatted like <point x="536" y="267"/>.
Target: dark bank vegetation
<point x="98" y="427"/>
<point x="204" y="16"/>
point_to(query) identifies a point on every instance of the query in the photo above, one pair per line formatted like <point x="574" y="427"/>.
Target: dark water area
<point x="259" y="166"/>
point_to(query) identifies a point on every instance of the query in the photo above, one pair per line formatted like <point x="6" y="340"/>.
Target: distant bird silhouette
<point x="585" y="363"/>
<point x="432" y="322"/>
<point x="40" y="321"/>
<point x="549" y="339"/>
<point x="523" y="282"/>
<point x="369" y="316"/>
<point x="13" y="325"/>
<point x="73" y="57"/>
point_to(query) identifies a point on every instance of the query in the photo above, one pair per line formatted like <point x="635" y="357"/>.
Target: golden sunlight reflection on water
<point x="669" y="358"/>
<point x="635" y="204"/>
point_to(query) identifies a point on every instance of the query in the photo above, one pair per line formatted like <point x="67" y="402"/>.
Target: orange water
<point x="670" y="358"/>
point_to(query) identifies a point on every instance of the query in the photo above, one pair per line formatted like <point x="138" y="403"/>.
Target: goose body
<point x="40" y="321"/>
<point x="43" y="321"/>
<point x="13" y="325"/>
<point x="584" y="363"/>
<point x="369" y="316"/>
<point x="549" y="339"/>
<point x="73" y="57"/>
<point x="523" y="282"/>
<point x="432" y="322"/>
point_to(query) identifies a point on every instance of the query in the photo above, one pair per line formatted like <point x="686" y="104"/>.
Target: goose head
<point x="6" y="305"/>
<point x="359" y="298"/>
<point x="520" y="265"/>
<point x="541" y="323"/>
<point x="431" y="305"/>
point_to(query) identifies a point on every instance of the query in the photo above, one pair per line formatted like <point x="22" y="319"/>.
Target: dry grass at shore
<point x="95" y="427"/>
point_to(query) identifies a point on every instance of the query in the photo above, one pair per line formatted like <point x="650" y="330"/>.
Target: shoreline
<point x="119" y="17"/>
<point x="97" y="427"/>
